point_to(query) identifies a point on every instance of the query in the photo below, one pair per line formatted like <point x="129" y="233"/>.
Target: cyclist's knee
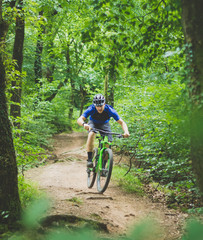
<point x="91" y="134"/>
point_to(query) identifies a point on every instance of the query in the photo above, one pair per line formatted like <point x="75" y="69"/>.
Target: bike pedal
<point x="90" y="164"/>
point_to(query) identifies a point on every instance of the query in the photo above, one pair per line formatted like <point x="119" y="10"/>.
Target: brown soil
<point x="64" y="180"/>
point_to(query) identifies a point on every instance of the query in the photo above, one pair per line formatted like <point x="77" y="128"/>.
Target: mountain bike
<point x="102" y="162"/>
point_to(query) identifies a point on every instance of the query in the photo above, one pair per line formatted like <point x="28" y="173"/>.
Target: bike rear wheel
<point x="91" y="174"/>
<point x="104" y="174"/>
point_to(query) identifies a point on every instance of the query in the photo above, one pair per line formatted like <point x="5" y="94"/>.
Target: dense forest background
<point x="56" y="55"/>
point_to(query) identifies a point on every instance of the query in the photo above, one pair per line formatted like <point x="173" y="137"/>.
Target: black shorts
<point x="104" y="127"/>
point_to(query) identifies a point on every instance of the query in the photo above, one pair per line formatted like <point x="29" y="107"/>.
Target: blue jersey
<point x="103" y="117"/>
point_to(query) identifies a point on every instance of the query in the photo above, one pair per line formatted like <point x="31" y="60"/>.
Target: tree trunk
<point x="9" y="198"/>
<point x="15" y="109"/>
<point x="106" y="87"/>
<point x="72" y="83"/>
<point x="192" y="18"/>
<point x="72" y="100"/>
<point x="112" y="81"/>
<point x="83" y="94"/>
<point x="51" y="62"/>
<point x="10" y="207"/>
<point x="38" y="53"/>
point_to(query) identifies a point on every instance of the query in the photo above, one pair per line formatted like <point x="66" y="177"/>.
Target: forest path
<point x="64" y="180"/>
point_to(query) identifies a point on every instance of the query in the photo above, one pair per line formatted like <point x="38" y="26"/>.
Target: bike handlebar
<point x="112" y="133"/>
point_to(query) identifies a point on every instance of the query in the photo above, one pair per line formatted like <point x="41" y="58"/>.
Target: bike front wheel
<point x="104" y="174"/>
<point x="91" y="174"/>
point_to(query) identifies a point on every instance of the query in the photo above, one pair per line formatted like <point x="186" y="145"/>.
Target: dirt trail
<point x="64" y="179"/>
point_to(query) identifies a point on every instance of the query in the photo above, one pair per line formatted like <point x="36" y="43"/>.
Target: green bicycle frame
<point x="101" y="148"/>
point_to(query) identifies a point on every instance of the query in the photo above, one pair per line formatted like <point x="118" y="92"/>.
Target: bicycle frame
<point x="103" y="140"/>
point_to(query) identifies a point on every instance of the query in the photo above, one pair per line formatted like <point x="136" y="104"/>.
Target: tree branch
<point x="143" y="16"/>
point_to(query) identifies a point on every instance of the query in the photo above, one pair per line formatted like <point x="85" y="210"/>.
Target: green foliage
<point x="28" y="191"/>
<point x="29" y="141"/>
<point x="131" y="183"/>
<point x="35" y="211"/>
<point x="85" y="235"/>
<point x="194" y="230"/>
<point x="38" y="123"/>
<point x="157" y="114"/>
<point x="75" y="200"/>
<point x="159" y="137"/>
<point x="28" y="153"/>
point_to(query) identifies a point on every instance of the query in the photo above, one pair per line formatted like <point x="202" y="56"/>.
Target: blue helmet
<point x="98" y="100"/>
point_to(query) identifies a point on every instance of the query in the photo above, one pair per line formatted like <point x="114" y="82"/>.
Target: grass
<point x="130" y="183"/>
<point x="75" y="200"/>
<point x="96" y="216"/>
<point x="28" y="191"/>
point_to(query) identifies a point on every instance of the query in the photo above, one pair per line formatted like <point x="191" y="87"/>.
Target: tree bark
<point x="10" y="207"/>
<point x="192" y="18"/>
<point x="9" y="197"/>
<point x="15" y="110"/>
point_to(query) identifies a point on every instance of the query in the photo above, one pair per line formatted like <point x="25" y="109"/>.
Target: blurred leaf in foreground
<point x="148" y="229"/>
<point x="35" y="212"/>
<point x="194" y="231"/>
<point x="81" y="235"/>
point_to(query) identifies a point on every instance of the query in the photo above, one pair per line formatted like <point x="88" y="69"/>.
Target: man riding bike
<point x="100" y="114"/>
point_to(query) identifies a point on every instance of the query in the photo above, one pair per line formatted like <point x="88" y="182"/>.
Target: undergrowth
<point x="180" y="195"/>
<point x="28" y="191"/>
<point x="130" y="182"/>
